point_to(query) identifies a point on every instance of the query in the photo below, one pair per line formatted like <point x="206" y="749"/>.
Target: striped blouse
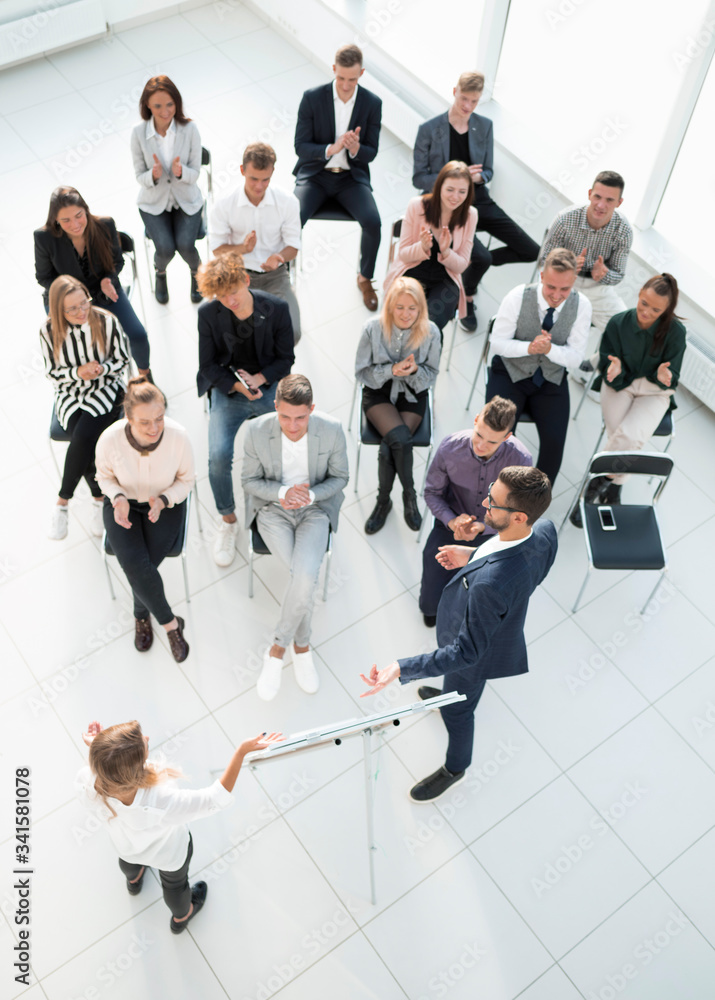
<point x="98" y="395"/>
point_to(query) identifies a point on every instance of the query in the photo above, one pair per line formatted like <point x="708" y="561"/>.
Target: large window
<point x="690" y="195"/>
<point x="433" y="42"/>
<point x="593" y="83"/>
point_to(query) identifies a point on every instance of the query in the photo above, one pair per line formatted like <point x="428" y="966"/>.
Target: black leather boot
<point x="413" y="518"/>
<point x="385" y="478"/>
<point x="161" y="290"/>
<point x="196" y="295"/>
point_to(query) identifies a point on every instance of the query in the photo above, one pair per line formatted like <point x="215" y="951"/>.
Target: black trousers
<point x="548" y="406"/>
<point x="177" y="891"/>
<point x="141" y="549"/>
<point x="355" y="198"/>
<point x="85" y="430"/>
<point x="435" y="577"/>
<point x="519" y="246"/>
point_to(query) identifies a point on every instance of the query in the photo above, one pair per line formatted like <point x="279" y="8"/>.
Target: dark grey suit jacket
<point x="432" y="149"/>
<point x="262" y="469"/>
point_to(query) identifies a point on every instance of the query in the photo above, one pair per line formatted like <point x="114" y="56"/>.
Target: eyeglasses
<point x="76" y="310"/>
<point x="514" y="510"/>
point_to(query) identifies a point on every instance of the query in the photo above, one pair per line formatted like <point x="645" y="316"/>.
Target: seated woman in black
<point x="86" y="246"/>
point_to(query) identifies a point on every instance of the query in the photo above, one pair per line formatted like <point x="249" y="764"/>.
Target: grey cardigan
<point x="262" y="469"/>
<point x="375" y="358"/>
<point x="154" y="198"/>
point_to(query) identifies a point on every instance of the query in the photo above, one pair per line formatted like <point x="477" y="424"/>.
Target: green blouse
<point x="624" y="339"/>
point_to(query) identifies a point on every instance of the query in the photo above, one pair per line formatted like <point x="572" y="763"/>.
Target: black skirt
<point x="371" y="397"/>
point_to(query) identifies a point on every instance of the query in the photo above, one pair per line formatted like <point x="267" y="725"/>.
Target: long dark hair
<point x="432" y="202"/>
<point x="99" y="246"/>
<point x="666" y="285"/>
<point x="153" y="86"/>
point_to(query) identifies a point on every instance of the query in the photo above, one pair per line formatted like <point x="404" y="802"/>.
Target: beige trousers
<point x="632" y="414"/>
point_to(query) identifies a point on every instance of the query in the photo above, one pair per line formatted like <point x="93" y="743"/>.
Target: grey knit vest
<point x="528" y="326"/>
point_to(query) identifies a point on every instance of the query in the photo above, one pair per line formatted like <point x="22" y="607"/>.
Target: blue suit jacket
<point x="315" y="130"/>
<point x="480" y="619"/>
<point x="432" y="149"/>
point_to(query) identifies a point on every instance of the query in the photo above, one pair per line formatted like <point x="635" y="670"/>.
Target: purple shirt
<point x="458" y="480"/>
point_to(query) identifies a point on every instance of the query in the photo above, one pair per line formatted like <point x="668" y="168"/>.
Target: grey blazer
<point x="262" y="470"/>
<point x="153" y="198"/>
<point x="432" y="149"/>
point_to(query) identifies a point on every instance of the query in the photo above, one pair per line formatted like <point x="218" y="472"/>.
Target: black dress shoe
<point x="469" y="322"/>
<point x="595" y="492"/>
<point x="429" y="620"/>
<point x="134" y="888"/>
<point x="161" y="290"/>
<point x="198" y="898"/>
<point x="143" y="635"/>
<point x="378" y="517"/>
<point x="435" y="785"/>
<point x="177" y="643"/>
<point x="426" y="692"/>
<point x="413" y="518"/>
<point x="196" y="295"/>
<point x="611" y="495"/>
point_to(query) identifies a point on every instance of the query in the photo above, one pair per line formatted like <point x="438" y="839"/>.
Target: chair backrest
<point x="126" y="242"/>
<point x="257" y="543"/>
<point x="394" y="239"/>
<point x="637" y="463"/>
<point x="205" y="156"/>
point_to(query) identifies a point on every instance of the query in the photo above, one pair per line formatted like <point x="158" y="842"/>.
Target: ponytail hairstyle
<point x="666" y="285"/>
<point x="141" y="390"/>
<point x="60" y="288"/>
<point x="99" y="245"/>
<point x="118" y="759"/>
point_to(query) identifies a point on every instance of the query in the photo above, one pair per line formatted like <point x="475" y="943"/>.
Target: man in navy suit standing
<point x="460" y="134"/>
<point x="336" y="137"/>
<point x="480" y="619"/>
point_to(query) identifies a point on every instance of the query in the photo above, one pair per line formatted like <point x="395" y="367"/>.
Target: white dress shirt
<point x="165" y="151"/>
<point x="495" y="544"/>
<point x="294" y="459"/>
<point x="152" y="830"/>
<point x="343" y="114"/>
<point x="570" y="354"/>
<point x="275" y="219"/>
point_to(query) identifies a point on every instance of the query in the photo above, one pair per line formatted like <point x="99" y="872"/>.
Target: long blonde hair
<point x="421" y="329"/>
<point x="118" y="759"/>
<point x="59" y="290"/>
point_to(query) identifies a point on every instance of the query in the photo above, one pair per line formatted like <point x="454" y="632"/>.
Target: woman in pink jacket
<point x="436" y="242"/>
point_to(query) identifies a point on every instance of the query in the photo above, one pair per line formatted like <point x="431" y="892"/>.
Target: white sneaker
<point x="268" y="684"/>
<point x="306" y="675"/>
<point x="225" y="544"/>
<point x="60" y="520"/>
<point x="96" y="520"/>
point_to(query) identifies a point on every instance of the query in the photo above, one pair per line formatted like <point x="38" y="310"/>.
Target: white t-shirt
<point x="496" y="545"/>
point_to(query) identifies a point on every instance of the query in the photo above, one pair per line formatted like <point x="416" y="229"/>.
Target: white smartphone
<point x="244" y="383"/>
<point x="608" y="521"/>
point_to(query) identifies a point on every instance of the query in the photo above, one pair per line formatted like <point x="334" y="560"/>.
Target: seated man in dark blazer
<point x="295" y="468"/>
<point x="245" y="348"/>
<point x="459" y="134"/>
<point x="480" y="620"/>
<point x="336" y="137"/>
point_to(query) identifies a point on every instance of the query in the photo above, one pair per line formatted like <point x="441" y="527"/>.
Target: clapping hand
<point x="176" y="167"/>
<point x="475" y="169"/>
<point x="156" y="505"/>
<point x="614" y="369"/>
<point x="581" y="261"/>
<point x="157" y="170"/>
<point x="351" y="141"/>
<point x="90" y="371"/>
<point x="426" y="239"/>
<point x="540" y="344"/>
<point x="250" y="242"/>
<point x="444" y="239"/>
<point x="664" y="375"/>
<point x="405" y="367"/>
<point x="599" y="269"/>
<point x="109" y="290"/>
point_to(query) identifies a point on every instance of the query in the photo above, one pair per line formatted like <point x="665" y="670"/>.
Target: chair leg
<point x="54" y="459"/>
<point x="109" y="575"/>
<point x="149" y="263"/>
<point x="422" y="526"/>
<point x="198" y="508"/>
<point x="424" y="477"/>
<point x="586" y="389"/>
<point x="186" y="576"/>
<point x="250" y="565"/>
<point x="455" y="324"/>
<point x="580" y="593"/>
<point x="357" y="464"/>
<point x="474" y="383"/>
<point x="650" y="596"/>
<point x="352" y="408"/>
<point x="328" y="560"/>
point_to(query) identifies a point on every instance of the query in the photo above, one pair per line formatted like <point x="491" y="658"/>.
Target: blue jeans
<point x="131" y="324"/>
<point x="226" y="414"/>
<point x="299" y="538"/>
<point x="172" y="231"/>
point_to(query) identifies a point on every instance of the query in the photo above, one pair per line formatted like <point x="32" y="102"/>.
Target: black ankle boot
<point x="413" y="518"/>
<point x="161" y="290"/>
<point x="196" y="295"/>
<point x="377" y="519"/>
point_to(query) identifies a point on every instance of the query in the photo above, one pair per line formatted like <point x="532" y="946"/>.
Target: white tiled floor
<point x="576" y="861"/>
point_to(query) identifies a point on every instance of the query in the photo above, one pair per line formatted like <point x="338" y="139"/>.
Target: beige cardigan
<point x="167" y="471"/>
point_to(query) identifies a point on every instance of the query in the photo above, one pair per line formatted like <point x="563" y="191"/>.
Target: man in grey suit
<point x="295" y="468"/>
<point x="460" y="134"/>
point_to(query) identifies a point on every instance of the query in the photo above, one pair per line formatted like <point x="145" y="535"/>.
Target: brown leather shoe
<point x="143" y="634"/>
<point x="177" y="643"/>
<point x="368" y="293"/>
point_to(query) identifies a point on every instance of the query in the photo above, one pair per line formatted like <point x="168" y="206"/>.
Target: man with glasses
<point x="480" y="619"/>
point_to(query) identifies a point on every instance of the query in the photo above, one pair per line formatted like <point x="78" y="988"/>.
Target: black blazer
<point x="55" y="255"/>
<point x="315" y="130"/>
<point x="273" y="333"/>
